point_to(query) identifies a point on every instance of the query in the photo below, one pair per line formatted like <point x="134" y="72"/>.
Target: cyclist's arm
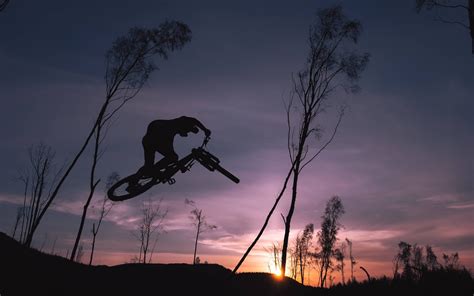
<point x="201" y="126"/>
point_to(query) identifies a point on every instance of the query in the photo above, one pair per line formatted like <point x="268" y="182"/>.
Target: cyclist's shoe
<point x="183" y="169"/>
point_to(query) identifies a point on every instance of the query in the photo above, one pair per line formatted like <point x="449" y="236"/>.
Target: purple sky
<point x="402" y="161"/>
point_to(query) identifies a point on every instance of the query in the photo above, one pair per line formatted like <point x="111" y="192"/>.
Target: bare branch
<point x="436" y="3"/>
<point x="440" y="19"/>
<point x="327" y="143"/>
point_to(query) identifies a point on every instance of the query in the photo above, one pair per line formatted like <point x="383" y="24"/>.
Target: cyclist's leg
<point x="166" y="149"/>
<point x="149" y="155"/>
<point x="147" y="168"/>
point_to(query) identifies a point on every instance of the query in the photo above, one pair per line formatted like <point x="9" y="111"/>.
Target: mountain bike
<point x="162" y="175"/>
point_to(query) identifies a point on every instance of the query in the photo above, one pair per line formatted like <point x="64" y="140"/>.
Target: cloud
<point x="461" y="206"/>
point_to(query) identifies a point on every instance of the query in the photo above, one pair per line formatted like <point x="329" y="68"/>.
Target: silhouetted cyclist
<point x="159" y="137"/>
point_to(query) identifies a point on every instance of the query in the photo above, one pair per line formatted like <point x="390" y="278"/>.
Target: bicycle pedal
<point x="171" y="181"/>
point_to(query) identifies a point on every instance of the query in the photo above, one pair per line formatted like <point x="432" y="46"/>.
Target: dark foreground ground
<point x="25" y="271"/>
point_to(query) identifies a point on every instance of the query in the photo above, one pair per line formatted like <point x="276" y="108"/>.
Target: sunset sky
<point x="401" y="162"/>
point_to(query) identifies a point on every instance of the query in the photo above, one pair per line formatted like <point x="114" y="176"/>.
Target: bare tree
<point x="403" y="260"/>
<point x="418" y="261"/>
<point x="351" y="257"/>
<point x="328" y="61"/>
<point x="199" y="220"/>
<point x="129" y="64"/>
<point x="293" y="259"/>
<point x="327" y="236"/>
<point x="431" y="258"/>
<point x="3" y="4"/>
<point x="315" y="259"/>
<point x="275" y="257"/>
<point x="330" y="64"/>
<point x="105" y="207"/>
<point x="151" y="224"/>
<point x="468" y="8"/>
<point x="303" y="243"/>
<point x="339" y="255"/>
<point x="38" y="179"/>
<point x="412" y="263"/>
<point x="451" y="262"/>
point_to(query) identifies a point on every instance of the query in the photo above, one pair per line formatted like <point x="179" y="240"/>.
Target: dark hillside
<point x="25" y="271"/>
<point x="29" y="272"/>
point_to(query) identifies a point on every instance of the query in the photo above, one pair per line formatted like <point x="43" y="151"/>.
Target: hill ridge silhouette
<point x="26" y="271"/>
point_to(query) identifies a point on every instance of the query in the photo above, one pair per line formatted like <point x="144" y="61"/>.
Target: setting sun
<point x="277" y="273"/>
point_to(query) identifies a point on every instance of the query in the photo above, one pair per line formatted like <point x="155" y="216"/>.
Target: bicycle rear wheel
<point x="118" y="193"/>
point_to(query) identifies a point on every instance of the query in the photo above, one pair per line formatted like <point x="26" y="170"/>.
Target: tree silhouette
<point x="38" y="179"/>
<point x="302" y="251"/>
<point x="404" y="255"/>
<point x="151" y="223"/>
<point x="440" y="4"/>
<point x="351" y="257"/>
<point x="275" y="256"/>
<point x="129" y="64"/>
<point x="431" y="258"/>
<point x="330" y="64"/>
<point x="105" y="207"/>
<point x="339" y="255"/>
<point x="199" y="220"/>
<point x="327" y="236"/>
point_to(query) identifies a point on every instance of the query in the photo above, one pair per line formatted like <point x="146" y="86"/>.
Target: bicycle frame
<point x="165" y="175"/>
<point x="185" y="162"/>
<point x="168" y="173"/>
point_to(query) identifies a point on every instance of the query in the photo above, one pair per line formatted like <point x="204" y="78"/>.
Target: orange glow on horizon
<point x="277" y="273"/>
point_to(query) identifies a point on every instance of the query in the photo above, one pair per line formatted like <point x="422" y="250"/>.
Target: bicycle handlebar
<point x="205" y="141"/>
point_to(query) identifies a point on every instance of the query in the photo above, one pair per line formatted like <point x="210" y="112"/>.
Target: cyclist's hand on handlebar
<point x="206" y="140"/>
<point x="207" y="132"/>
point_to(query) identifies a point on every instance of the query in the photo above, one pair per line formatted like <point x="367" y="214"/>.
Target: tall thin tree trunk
<point x="196" y="242"/>
<point x="267" y="219"/>
<point x="301" y="267"/>
<point x="289" y="216"/>
<point x="81" y="225"/>
<point x="144" y="253"/>
<point x="94" y="235"/>
<point x="92" y="183"/>
<point x="17" y="221"/>
<point x="23" y="222"/>
<point x="296" y="172"/>
<point x="65" y="175"/>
